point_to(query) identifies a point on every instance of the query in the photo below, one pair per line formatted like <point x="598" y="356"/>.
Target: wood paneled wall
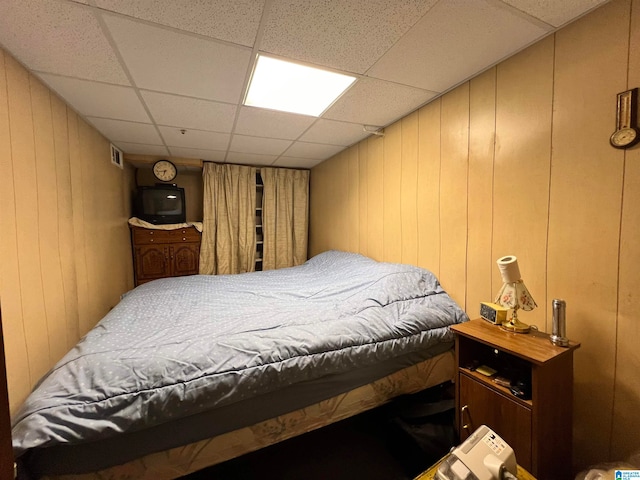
<point x="517" y="161"/>
<point x="66" y="254"/>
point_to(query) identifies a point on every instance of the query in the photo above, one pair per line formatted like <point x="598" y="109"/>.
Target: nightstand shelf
<point x="539" y="427"/>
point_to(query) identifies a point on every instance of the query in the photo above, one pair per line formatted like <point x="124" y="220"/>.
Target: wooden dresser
<point x="164" y="253"/>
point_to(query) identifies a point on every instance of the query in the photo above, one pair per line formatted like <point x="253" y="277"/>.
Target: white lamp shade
<point x="515" y="295"/>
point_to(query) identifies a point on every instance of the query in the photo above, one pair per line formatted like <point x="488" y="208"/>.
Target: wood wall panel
<point x="409" y="189"/>
<point x="353" y="199"/>
<point x="319" y="234"/>
<point x="626" y="421"/>
<point x="17" y="359"/>
<point x="66" y="243"/>
<point x="341" y="200"/>
<point x="375" y="189"/>
<point x="392" y="185"/>
<point x="482" y="128"/>
<point x="77" y="187"/>
<point x="47" y="218"/>
<point x="535" y="129"/>
<point x="429" y="186"/>
<point x="58" y="169"/>
<point x="91" y="232"/>
<point x="454" y="169"/>
<point x="26" y="211"/>
<point x="104" y="210"/>
<point x="363" y="207"/>
<point x="522" y="169"/>
<point x="586" y="196"/>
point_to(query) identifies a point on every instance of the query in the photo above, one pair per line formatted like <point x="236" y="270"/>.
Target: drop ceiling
<point x="167" y="77"/>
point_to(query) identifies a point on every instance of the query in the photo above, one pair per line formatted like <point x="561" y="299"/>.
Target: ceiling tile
<point x="93" y="99"/>
<point x="163" y="60"/>
<point x="142" y="149"/>
<point x="268" y="123"/>
<point x="119" y="131"/>
<point x="173" y="137"/>
<point x="234" y="21"/>
<point x="177" y="111"/>
<point x="458" y="38"/>
<point x="259" y="145"/>
<point x="554" y="12"/>
<point x="250" y="158"/>
<point x="392" y="101"/>
<point x="312" y="150"/>
<point x="209" y="155"/>
<point x="349" y="35"/>
<point x="295" y="162"/>
<point x="56" y="37"/>
<point x="335" y="133"/>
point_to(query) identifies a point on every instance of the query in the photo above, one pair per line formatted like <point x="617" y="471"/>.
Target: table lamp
<point x="513" y="294"/>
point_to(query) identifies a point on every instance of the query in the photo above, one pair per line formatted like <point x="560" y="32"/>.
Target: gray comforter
<point x="176" y="347"/>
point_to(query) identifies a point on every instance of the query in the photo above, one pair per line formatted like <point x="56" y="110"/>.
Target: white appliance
<point x="482" y="456"/>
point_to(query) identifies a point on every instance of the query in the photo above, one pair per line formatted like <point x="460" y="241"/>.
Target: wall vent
<point x="116" y="156"/>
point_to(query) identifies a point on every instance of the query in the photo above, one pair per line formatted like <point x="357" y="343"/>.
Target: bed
<point x="188" y="372"/>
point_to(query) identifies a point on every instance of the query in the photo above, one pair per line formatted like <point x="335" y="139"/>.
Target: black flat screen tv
<point x="160" y="205"/>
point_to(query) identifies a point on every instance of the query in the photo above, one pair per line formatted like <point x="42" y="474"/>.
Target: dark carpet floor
<point x="390" y="443"/>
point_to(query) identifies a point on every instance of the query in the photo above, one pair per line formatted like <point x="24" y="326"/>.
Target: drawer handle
<point x="465" y="426"/>
<point x="151" y="240"/>
<point x="184" y="239"/>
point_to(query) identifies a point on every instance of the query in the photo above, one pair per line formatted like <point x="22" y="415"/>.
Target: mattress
<point x="174" y="350"/>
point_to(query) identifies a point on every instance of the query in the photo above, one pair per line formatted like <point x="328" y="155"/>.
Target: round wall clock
<point x="165" y="170"/>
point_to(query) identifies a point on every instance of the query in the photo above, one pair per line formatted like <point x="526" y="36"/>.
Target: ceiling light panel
<point x="290" y="87"/>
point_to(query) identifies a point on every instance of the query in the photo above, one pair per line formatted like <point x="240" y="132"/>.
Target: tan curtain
<point x="229" y="228"/>
<point x="284" y="217"/>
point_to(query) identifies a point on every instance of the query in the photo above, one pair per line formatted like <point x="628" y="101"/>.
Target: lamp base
<point x="516" y="326"/>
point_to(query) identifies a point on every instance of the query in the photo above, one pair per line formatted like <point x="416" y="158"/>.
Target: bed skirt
<point x="179" y="461"/>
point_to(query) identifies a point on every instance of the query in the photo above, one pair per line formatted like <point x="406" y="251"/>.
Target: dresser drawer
<point x="187" y="235"/>
<point x="148" y="236"/>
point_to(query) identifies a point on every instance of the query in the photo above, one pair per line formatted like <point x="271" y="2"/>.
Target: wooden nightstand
<point x="538" y="429"/>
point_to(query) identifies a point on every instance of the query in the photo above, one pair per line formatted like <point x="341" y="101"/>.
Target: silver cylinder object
<point x="559" y="325"/>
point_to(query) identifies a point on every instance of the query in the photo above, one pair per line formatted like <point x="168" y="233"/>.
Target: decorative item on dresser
<point x="521" y="386"/>
<point x="164" y="252"/>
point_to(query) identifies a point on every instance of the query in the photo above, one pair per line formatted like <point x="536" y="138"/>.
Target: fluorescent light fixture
<point x="290" y="87"/>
